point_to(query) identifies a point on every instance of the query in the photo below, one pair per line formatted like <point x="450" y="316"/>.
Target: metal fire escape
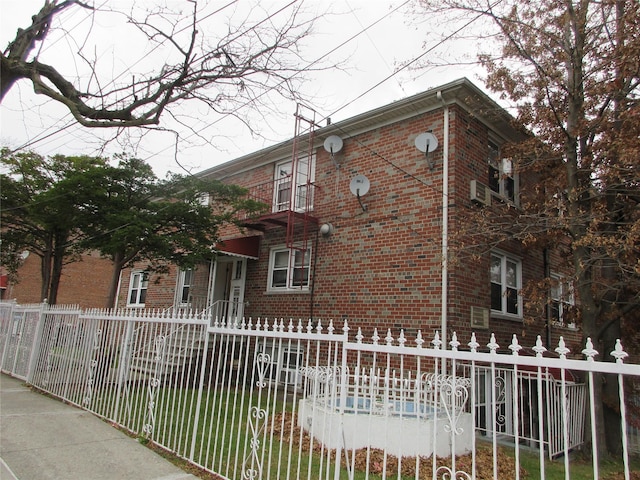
<point x="291" y="193"/>
<point x="302" y="188"/>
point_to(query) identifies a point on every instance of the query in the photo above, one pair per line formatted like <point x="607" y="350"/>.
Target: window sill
<point x="135" y="305"/>
<point x="567" y="326"/>
<point x="505" y="316"/>
<point x="506" y="201"/>
<point x="305" y="291"/>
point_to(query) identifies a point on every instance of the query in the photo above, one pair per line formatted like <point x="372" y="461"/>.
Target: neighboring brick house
<point x="84" y="283"/>
<point x="358" y="234"/>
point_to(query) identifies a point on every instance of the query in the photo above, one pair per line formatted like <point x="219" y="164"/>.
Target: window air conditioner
<point x="480" y="193"/>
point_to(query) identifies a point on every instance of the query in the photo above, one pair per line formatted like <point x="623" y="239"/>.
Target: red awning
<point x="246" y="247"/>
<point x="4" y="281"/>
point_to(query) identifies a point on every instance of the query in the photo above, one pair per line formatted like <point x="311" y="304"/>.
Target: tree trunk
<point x="610" y="394"/>
<point x="45" y="274"/>
<point x="56" y="274"/>
<point x="118" y="264"/>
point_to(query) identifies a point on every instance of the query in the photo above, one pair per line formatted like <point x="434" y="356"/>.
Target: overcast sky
<point x="369" y="59"/>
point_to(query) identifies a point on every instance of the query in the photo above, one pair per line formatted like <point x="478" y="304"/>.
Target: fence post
<point x="7" y="340"/>
<point x="35" y="348"/>
<point x="203" y="368"/>
<point x="343" y="397"/>
<point x="123" y="367"/>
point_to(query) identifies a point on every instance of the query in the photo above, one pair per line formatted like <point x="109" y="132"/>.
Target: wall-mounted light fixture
<point x="426" y="143"/>
<point x="326" y="229"/>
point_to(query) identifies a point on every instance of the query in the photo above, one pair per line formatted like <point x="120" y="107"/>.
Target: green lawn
<point x="224" y="433"/>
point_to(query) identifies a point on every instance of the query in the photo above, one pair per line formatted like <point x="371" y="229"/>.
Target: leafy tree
<point x="572" y="68"/>
<point x="221" y="67"/>
<point x="131" y="217"/>
<point x="40" y="213"/>
<point x="62" y="206"/>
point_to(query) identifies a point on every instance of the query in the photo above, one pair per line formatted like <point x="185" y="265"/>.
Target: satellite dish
<point x="24" y="255"/>
<point x="359" y="185"/>
<point x="333" y="144"/>
<point x="426" y="142"/>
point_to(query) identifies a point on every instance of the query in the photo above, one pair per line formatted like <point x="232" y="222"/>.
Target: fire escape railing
<point x="277" y="195"/>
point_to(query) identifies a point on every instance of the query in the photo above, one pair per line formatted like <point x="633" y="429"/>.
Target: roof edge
<point x="462" y="92"/>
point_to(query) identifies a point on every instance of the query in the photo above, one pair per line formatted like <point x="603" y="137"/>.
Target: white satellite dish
<point x="359" y="185"/>
<point x="333" y="144"/>
<point x="426" y="142"/>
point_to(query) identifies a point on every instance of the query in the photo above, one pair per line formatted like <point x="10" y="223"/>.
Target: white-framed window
<point x="284" y="182"/>
<point x="204" y="199"/>
<point x="138" y="285"/>
<point x="282" y="186"/>
<point x="185" y="282"/>
<point x="506" y="283"/>
<point x="289" y="269"/>
<point x="562" y="298"/>
<point x="503" y="180"/>
<point x="284" y="363"/>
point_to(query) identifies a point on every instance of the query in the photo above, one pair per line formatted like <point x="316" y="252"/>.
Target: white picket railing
<point x="274" y="399"/>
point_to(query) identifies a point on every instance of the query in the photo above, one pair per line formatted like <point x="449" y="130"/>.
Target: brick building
<point x="84" y="283"/>
<point x="358" y="216"/>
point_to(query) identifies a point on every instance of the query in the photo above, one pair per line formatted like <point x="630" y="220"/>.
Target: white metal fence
<point x="278" y="399"/>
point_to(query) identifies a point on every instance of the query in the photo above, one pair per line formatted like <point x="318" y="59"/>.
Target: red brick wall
<point x="85" y="282"/>
<point x="382" y="267"/>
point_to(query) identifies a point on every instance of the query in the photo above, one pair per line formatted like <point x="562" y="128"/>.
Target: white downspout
<point x="445" y="225"/>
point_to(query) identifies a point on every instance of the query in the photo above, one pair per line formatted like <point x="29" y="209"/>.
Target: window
<point x="302" y="187"/>
<point x="204" y="199"/>
<point x="506" y="281"/>
<point x="282" y="187"/>
<point x="289" y="269"/>
<point x="502" y="179"/>
<point x="138" y="288"/>
<point x="185" y="281"/>
<point x="283" y="363"/>
<point x="562" y="299"/>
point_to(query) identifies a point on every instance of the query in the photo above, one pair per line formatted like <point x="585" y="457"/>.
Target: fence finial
<point x="589" y="351"/>
<point x="454" y="343"/>
<point x="388" y="338"/>
<point x="436" y="342"/>
<point x="562" y="349"/>
<point x="473" y="344"/>
<point x="345" y="328"/>
<point x="618" y="353"/>
<point x="493" y="345"/>
<point x="539" y="347"/>
<point x="515" y="347"/>
<point x="401" y="339"/>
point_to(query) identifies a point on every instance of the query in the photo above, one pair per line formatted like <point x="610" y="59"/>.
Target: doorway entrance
<point x="227" y="284"/>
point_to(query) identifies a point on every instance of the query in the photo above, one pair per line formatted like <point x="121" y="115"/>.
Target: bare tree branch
<point x="244" y="64"/>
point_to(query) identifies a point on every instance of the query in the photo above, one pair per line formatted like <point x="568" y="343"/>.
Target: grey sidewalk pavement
<point x="42" y="438"/>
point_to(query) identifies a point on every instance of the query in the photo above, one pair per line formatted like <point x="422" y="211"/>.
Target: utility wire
<point x="71" y="122"/>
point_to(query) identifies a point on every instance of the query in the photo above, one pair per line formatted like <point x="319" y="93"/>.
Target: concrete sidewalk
<point x="44" y="439"/>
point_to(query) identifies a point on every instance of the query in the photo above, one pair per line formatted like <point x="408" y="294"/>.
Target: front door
<point x="227" y="288"/>
<point x="236" y="289"/>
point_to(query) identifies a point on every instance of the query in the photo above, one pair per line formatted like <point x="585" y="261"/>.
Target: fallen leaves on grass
<point x="375" y="461"/>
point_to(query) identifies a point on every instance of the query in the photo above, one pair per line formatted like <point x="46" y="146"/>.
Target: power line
<point x="72" y="123"/>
